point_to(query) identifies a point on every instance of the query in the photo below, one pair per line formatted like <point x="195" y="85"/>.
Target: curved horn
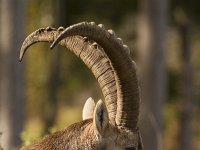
<point x="127" y="85"/>
<point x="90" y="54"/>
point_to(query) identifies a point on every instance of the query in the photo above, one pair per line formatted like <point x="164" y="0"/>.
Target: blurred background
<point x="47" y="91"/>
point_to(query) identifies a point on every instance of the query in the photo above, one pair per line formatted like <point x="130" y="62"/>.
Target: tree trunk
<point x="151" y="44"/>
<point x="12" y="19"/>
<point x="187" y="106"/>
<point x="51" y="108"/>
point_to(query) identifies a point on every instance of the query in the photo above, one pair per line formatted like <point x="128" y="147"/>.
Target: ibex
<point x="113" y="123"/>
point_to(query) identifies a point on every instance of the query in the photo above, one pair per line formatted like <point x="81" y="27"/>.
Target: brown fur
<point x="84" y="136"/>
<point x="76" y="134"/>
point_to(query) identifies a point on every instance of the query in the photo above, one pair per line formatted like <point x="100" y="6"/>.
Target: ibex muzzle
<point x="111" y="124"/>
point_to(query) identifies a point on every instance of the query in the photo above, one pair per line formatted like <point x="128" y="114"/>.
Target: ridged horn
<point x="92" y="56"/>
<point x="127" y="85"/>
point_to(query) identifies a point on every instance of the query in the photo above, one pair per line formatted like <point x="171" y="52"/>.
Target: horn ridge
<point x="92" y="56"/>
<point x="128" y="97"/>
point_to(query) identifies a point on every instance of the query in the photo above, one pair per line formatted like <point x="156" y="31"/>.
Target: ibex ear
<point x="100" y="119"/>
<point x="88" y="109"/>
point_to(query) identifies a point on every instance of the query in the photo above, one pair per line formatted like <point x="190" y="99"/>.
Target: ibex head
<point x="114" y="123"/>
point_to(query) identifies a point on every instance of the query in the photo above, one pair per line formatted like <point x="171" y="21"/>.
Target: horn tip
<point x="20" y="59"/>
<point x="53" y="45"/>
<point x="21" y="55"/>
<point x="56" y="41"/>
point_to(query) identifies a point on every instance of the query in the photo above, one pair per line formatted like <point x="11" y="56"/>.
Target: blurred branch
<point x="152" y="37"/>
<point x="187" y="103"/>
<point x="12" y="19"/>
